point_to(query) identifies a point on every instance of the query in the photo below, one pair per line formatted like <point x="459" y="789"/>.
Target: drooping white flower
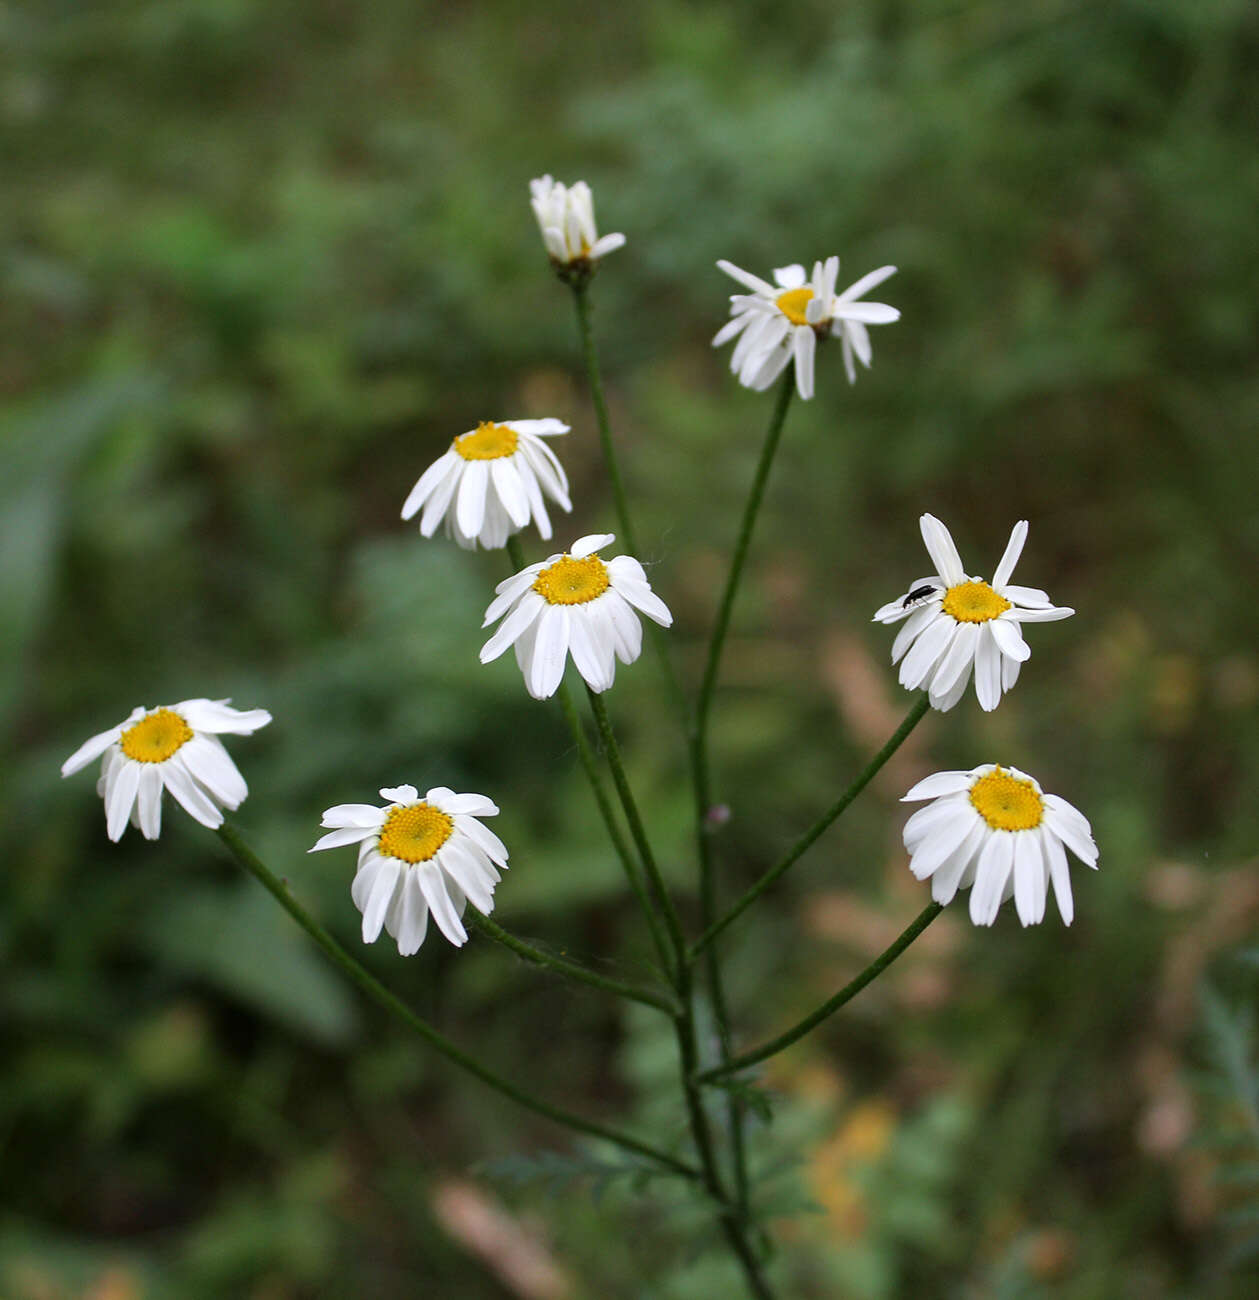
<point x="418" y="856"/>
<point x="175" y="747"/>
<point x="954" y="623"/>
<point x="566" y="217"/>
<point x="784" y="320"/>
<point x="994" y="831"/>
<point x="573" y="602"/>
<point x="491" y="482"/>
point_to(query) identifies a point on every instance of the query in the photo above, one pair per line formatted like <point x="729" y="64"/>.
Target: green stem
<point x="867" y="774"/>
<point x="700" y="775"/>
<point x="572" y="970"/>
<point x="828" y="1008"/>
<point x="391" y="1002"/>
<point x="591" y="767"/>
<point x="638" y="833"/>
<point x="590" y="354"/>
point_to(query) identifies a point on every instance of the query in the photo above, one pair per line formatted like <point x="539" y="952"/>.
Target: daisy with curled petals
<point x="418" y="856"/>
<point x="175" y="747"/>
<point x="491" y="482"/>
<point x="566" y="217"/>
<point x="779" y="322"/>
<point x="994" y="831"/>
<point x="954" y="623"/>
<point x="573" y="603"/>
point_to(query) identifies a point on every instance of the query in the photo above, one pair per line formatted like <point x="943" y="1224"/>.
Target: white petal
<point x="216" y="717"/>
<point x="1069" y="832"/>
<point x="940" y="547"/>
<point x="996" y="859"/>
<point x="213" y="768"/>
<point x="509" y="591"/>
<point x="1031" y="887"/>
<point x="511" y="489"/>
<point x="589" y="544"/>
<point x="483" y="838"/>
<point x="464" y="865"/>
<point x="354" y="814"/>
<point x="338" y="839"/>
<point x="1032" y="596"/>
<point x="1013" y="549"/>
<point x="439" y="502"/>
<point x="925" y="822"/>
<point x="545" y="428"/>
<point x="511" y="628"/>
<point x="606" y="244"/>
<point x="189" y="795"/>
<point x="593" y="654"/>
<point x="918" y="664"/>
<point x="914" y="624"/>
<point x="399" y="793"/>
<point x="789" y="277"/>
<point x="95" y="747"/>
<point x="871" y="280"/>
<point x="407" y="917"/>
<point x="870" y="313"/>
<point x="384" y="882"/>
<point x="149" y="801"/>
<point x="956" y="661"/>
<point x="730" y="329"/>
<point x="747" y="279"/>
<point x="470" y="508"/>
<point x="550" y="649"/>
<point x="1059" y="873"/>
<point x="1050" y="615"/>
<point x="942" y="841"/>
<point x="627" y="631"/>
<point x="940" y="783"/>
<point x="471" y="805"/>
<point x="1009" y="639"/>
<point x="951" y="873"/>
<point x="370" y="866"/>
<point x="804" y="347"/>
<point x="643" y="598"/>
<point x="987" y="673"/>
<point x="427" y="483"/>
<point x="120" y="797"/>
<point x="433" y="884"/>
<point x="856" y="334"/>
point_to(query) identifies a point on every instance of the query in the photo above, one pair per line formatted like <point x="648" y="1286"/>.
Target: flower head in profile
<point x="566" y="217"/>
<point x="491" y="482"/>
<point x="574" y="603"/>
<point x="175" y="747"/>
<point x="779" y="322"/>
<point x="418" y="856"/>
<point x="994" y="831"/>
<point x="954" y="623"/>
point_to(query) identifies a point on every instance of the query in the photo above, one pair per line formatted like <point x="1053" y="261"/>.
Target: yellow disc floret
<point x="1006" y="803"/>
<point x="487" y="442"/>
<point x="415" y="833"/>
<point x="155" y="737"/>
<point x="572" y="582"/>
<point x="792" y="304"/>
<point x="973" y="602"/>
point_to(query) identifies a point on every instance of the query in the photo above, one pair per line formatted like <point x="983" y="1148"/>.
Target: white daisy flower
<point x="776" y="322"/>
<point x="175" y="747"/>
<point x="416" y="856"/>
<point x="573" y="602"/>
<point x="954" y="623"/>
<point x="491" y="482"/>
<point x="994" y="831"/>
<point x="566" y="217"/>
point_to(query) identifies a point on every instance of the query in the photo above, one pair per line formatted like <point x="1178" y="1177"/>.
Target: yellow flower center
<point x="973" y="602"/>
<point x="415" y="833"/>
<point x="155" y="737"/>
<point x="1006" y="803"/>
<point x="792" y="305"/>
<point x="572" y="582"/>
<point x="486" y="442"/>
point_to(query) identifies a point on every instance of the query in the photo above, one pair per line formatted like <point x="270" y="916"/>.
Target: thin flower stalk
<point x="867" y="774"/>
<point x="831" y="1005"/>
<point x="374" y="989"/>
<point x="570" y="969"/>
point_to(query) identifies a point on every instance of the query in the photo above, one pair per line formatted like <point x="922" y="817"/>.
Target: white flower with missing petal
<point x="994" y="831"/>
<point x="175" y="747"/>
<point x="418" y="856"/>
<point x="954" y="623"/>
<point x="566" y="217"/>
<point x="779" y="322"/>
<point x="573" y="603"/>
<point x="491" y="482"/>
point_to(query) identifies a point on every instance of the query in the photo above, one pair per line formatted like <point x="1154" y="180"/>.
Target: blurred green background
<point x="260" y="262"/>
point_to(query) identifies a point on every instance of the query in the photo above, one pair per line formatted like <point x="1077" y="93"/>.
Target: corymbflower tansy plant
<point x="573" y="602"/>
<point x="175" y="747"/>
<point x="994" y="831"/>
<point x="780" y="322"/>
<point x="491" y="482"/>
<point x="566" y="218"/>
<point x="954" y="622"/>
<point x="416" y="856"/>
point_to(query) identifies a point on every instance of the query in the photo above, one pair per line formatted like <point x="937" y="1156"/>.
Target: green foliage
<point x="261" y="262"/>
